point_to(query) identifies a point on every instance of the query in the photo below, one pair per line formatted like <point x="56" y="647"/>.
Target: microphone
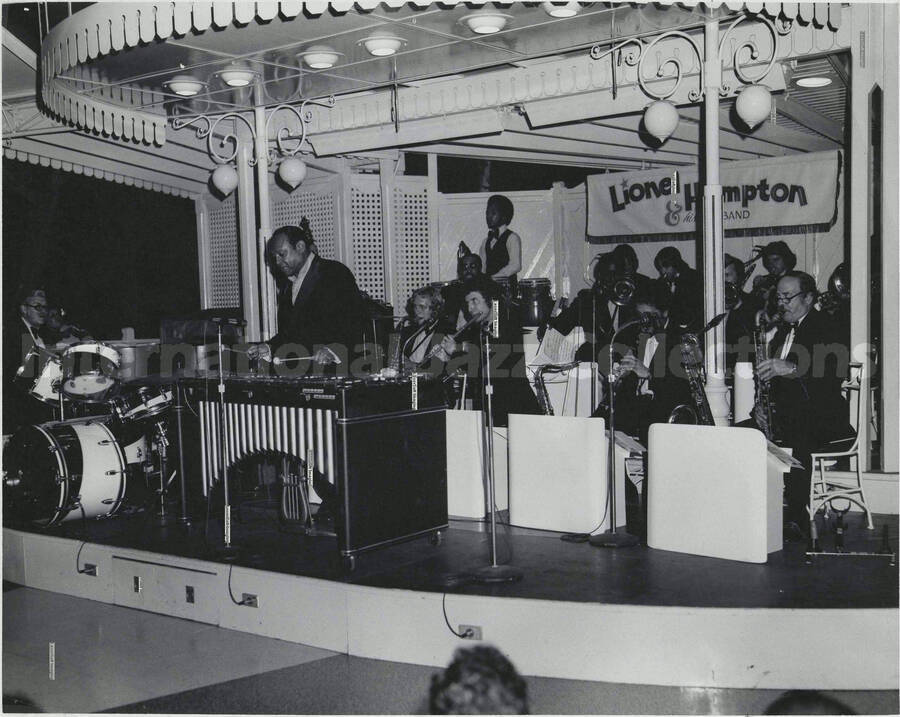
<point x="225" y="321"/>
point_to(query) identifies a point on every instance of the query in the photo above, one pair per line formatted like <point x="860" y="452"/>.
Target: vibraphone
<point x="382" y="443"/>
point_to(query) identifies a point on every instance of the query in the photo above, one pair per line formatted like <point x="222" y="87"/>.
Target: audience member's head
<point x="807" y="702"/>
<point x="479" y="680"/>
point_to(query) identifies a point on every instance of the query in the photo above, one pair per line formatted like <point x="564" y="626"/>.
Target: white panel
<point x="316" y="205"/>
<point x="13" y="556"/>
<point x="465" y="485"/>
<point x="224" y="268"/>
<point x="50" y="564"/>
<point x="366" y="235"/>
<point x="412" y="245"/>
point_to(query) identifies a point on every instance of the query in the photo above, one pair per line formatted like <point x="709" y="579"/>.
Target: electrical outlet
<point x="89" y="569"/>
<point x="470" y="632"/>
<point x="138" y="583"/>
<point x="249" y="600"/>
<point x="189" y="593"/>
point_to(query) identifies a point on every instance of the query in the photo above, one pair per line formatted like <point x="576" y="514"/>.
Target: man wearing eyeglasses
<point x="806" y="366"/>
<point x="20" y="336"/>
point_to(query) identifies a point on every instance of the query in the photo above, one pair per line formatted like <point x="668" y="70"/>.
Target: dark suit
<point x="328" y="310"/>
<point x="686" y="308"/>
<point x="589" y="307"/>
<point x="20" y="409"/>
<point x="635" y="411"/>
<point x="810" y="410"/>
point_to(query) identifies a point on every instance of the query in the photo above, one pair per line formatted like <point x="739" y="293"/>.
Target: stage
<point x="636" y="615"/>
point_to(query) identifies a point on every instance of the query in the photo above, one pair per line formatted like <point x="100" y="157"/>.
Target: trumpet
<point x="622" y="291"/>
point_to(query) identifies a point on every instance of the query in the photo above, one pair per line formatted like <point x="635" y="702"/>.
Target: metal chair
<point x="827" y="486"/>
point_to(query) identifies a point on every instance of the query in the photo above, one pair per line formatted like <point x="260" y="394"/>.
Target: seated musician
<point x="777" y="259"/>
<point x="22" y="360"/>
<point x="651" y="381"/>
<point x="511" y="391"/>
<point x="468" y="266"/>
<point x="686" y="308"/>
<point x="807" y="366"/>
<point x="422" y="331"/>
<point x="320" y="310"/>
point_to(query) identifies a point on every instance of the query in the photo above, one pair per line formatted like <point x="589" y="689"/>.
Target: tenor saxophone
<point x="762" y="389"/>
<point x="540" y="386"/>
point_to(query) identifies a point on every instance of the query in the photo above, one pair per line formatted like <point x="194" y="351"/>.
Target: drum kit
<point x="93" y="464"/>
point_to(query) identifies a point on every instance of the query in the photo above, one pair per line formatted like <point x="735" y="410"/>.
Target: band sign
<point x="758" y="196"/>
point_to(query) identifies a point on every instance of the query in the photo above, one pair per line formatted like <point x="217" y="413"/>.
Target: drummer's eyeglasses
<point x="38" y="307"/>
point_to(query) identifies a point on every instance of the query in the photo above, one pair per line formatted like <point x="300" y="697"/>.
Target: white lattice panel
<point x="224" y="266"/>
<point x="412" y="245"/>
<point x="367" y="236"/>
<point x="319" y="208"/>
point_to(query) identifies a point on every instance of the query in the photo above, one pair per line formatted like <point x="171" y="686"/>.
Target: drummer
<point x="22" y="334"/>
<point x="501" y="250"/>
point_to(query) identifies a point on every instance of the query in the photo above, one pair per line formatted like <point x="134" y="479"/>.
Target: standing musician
<point x="501" y="251"/>
<point x="777" y="259"/>
<point x="422" y="330"/>
<point x="741" y="309"/>
<point x="649" y="388"/>
<point x="684" y="285"/>
<point x="319" y="306"/>
<point x="512" y="392"/>
<point x="806" y="367"/>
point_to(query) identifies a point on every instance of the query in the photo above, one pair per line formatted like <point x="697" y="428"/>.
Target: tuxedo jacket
<point x="686" y="308"/>
<point x="328" y="309"/>
<point x="810" y="400"/>
<point x="667" y="381"/>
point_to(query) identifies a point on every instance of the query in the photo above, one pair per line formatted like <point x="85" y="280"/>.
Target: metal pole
<point x="182" y="480"/>
<point x="266" y="280"/>
<point x="713" y="231"/>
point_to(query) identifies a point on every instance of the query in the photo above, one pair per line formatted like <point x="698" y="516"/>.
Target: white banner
<point x="765" y="196"/>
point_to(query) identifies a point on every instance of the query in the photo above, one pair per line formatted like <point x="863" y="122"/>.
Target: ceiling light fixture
<point x="661" y="119"/>
<point x="184" y="85"/>
<point x="224" y="178"/>
<point x="237" y="75"/>
<point x="486" y="22"/>
<point x="754" y="104"/>
<point x="562" y="9"/>
<point x="320" y="57"/>
<point x="382" y="45"/>
<point x="812" y="81"/>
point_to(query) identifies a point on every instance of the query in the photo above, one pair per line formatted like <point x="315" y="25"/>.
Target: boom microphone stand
<point x="492" y="573"/>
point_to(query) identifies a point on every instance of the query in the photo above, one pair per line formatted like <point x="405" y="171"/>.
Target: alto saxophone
<point x="700" y="412"/>
<point x="763" y="391"/>
<point x="540" y="386"/>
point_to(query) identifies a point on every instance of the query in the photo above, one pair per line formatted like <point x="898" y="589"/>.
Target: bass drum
<point x="56" y="472"/>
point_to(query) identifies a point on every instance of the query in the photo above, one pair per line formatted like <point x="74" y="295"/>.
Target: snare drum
<point x="49" y="376"/>
<point x="141" y="404"/>
<point x="90" y="371"/>
<point x="56" y="472"/>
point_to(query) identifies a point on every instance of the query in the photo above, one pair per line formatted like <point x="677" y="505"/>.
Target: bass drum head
<point x="34" y="469"/>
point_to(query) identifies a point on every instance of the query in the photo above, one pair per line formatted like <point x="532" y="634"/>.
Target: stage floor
<point x="553" y="569"/>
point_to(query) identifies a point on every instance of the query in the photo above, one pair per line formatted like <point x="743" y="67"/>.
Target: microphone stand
<point x="613" y="538"/>
<point x="228" y="551"/>
<point x="492" y="573"/>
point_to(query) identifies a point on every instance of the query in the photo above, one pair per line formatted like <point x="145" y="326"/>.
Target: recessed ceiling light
<point x="562" y="9"/>
<point x="382" y="45"/>
<point x="184" y="85"/>
<point x="237" y="75"/>
<point x="486" y="22"/>
<point x="320" y="57"/>
<point x="812" y="81"/>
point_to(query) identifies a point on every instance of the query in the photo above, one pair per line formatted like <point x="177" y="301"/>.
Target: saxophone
<point x="763" y="393"/>
<point x="700" y="412"/>
<point x="540" y="386"/>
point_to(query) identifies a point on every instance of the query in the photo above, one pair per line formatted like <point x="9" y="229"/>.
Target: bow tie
<point x="494" y="234"/>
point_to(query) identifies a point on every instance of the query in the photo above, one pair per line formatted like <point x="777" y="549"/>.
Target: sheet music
<point x="782" y="455"/>
<point x="557" y="348"/>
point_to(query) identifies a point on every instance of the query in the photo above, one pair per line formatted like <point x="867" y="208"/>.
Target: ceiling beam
<point x="808" y="117"/>
<point x="503" y="154"/>
<point x="20" y="50"/>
